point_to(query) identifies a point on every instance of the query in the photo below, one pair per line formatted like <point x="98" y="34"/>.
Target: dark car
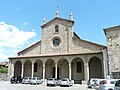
<point x="117" y="85"/>
<point x="17" y="79"/>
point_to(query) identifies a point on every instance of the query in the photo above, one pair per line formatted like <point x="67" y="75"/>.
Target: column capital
<point x="69" y="65"/>
<point x="43" y="65"/>
<point x="104" y="51"/>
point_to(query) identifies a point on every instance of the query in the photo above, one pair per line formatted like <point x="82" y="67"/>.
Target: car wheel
<point x="60" y="85"/>
<point x="17" y="81"/>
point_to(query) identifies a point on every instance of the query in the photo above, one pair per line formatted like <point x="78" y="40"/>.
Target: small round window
<point x="56" y="42"/>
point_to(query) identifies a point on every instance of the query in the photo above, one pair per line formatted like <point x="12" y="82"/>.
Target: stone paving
<point x="6" y="85"/>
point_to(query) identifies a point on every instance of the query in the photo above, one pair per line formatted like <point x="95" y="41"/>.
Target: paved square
<point x="6" y="85"/>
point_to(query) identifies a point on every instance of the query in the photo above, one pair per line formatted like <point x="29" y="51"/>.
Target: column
<point x="32" y="70"/>
<point x="43" y="71"/>
<point x="86" y="70"/>
<point x="56" y="70"/>
<point x="105" y="63"/>
<point x="12" y="68"/>
<point x="69" y="70"/>
<point x="22" y="70"/>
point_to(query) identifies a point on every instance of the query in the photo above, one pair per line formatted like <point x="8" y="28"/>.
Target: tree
<point x="3" y="69"/>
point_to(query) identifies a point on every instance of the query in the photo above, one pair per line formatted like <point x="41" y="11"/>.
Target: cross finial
<point x="44" y="21"/>
<point x="57" y="12"/>
<point x="71" y="16"/>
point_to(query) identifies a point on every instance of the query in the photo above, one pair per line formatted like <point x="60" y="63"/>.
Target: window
<point x="78" y="67"/>
<point x="56" y="42"/>
<point x="35" y="67"/>
<point x="56" y="29"/>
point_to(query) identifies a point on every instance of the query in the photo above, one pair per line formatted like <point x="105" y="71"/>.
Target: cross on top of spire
<point x="71" y="16"/>
<point x="57" y="12"/>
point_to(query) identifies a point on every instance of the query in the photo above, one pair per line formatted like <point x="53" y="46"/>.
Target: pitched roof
<point x="77" y="37"/>
<point x="112" y="28"/>
<point x="29" y="47"/>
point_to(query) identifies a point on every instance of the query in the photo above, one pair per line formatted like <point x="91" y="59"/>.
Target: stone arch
<point x="49" y="66"/>
<point x="77" y="70"/>
<point x="38" y="66"/>
<point x="95" y="68"/>
<point x="17" y="68"/>
<point x="27" y="68"/>
<point x="63" y="68"/>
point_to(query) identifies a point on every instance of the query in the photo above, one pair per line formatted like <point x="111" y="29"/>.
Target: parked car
<point x="107" y="84"/>
<point x="36" y="80"/>
<point x="91" y="82"/>
<point x="52" y="81"/>
<point x="117" y="85"/>
<point x="97" y="84"/>
<point x="66" y="82"/>
<point x="17" y="79"/>
<point x="26" y="80"/>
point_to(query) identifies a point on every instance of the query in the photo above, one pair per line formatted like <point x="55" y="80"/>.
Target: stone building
<point x="61" y="53"/>
<point x="113" y="46"/>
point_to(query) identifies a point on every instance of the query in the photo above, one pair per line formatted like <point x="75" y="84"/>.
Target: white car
<point x="66" y="82"/>
<point x="107" y="84"/>
<point x="97" y="84"/>
<point x="26" y="80"/>
<point x="36" y="80"/>
<point x="52" y="81"/>
<point x="91" y="82"/>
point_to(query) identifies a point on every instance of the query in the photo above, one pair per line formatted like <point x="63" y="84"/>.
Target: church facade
<point x="61" y="53"/>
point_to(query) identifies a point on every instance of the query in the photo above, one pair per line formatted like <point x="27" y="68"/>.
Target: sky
<point x="21" y="21"/>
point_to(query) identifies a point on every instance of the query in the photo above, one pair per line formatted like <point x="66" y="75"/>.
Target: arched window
<point x="56" y="29"/>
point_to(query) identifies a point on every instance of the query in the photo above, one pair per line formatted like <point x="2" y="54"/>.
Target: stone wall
<point x="113" y="46"/>
<point x="3" y="76"/>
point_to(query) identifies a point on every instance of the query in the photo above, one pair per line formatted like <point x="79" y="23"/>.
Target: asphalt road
<point x="6" y="85"/>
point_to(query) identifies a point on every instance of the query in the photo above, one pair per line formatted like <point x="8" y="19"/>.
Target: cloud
<point x="18" y="9"/>
<point x="11" y="38"/>
<point x="25" y="23"/>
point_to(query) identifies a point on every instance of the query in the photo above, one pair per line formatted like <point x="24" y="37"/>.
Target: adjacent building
<point x="113" y="46"/>
<point x="61" y="53"/>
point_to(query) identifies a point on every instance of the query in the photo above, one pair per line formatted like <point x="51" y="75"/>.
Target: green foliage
<point x="3" y="69"/>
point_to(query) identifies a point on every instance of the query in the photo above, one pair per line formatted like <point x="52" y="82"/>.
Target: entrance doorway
<point x="53" y="73"/>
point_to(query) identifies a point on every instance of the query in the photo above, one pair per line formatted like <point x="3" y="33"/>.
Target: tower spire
<point x="57" y="12"/>
<point x="71" y="16"/>
<point x="44" y="21"/>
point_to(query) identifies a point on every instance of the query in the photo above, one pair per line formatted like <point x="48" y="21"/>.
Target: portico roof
<point x="52" y="55"/>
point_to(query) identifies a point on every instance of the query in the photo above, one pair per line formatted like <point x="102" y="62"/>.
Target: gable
<point x="31" y="50"/>
<point x="58" y="20"/>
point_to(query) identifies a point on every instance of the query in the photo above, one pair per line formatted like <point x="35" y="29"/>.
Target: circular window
<point x="56" y="42"/>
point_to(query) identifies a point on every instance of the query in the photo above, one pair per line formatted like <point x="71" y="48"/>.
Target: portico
<point x="76" y="67"/>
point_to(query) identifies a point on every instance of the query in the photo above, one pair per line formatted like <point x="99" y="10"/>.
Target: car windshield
<point x="26" y="78"/>
<point x="112" y="82"/>
<point x="33" y="78"/>
<point x="94" y="80"/>
<point x="50" y="79"/>
<point x="64" y="79"/>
